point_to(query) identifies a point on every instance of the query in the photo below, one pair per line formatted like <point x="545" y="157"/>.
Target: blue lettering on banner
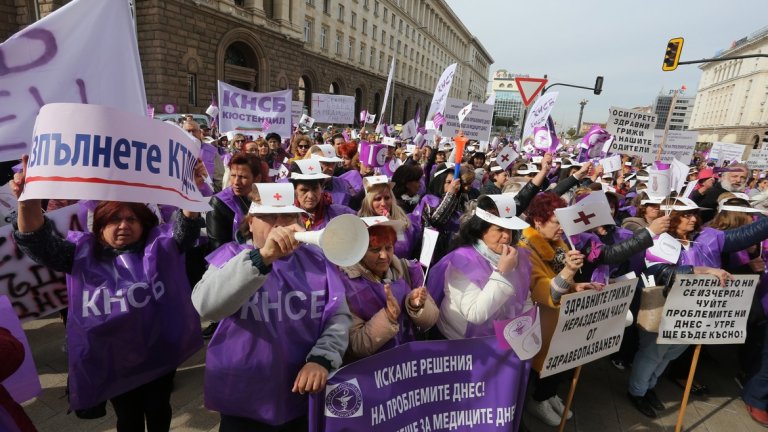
<point x="253" y="103"/>
<point x="122" y="150"/>
<point x="99" y="150"/>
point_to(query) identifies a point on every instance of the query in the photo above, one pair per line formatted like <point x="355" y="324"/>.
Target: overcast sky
<point x="573" y="41"/>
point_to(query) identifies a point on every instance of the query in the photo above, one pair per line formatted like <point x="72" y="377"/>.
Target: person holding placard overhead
<point x="700" y="253"/>
<point x="131" y="322"/>
<point x="386" y="295"/>
<point x="283" y="315"/>
<point x="485" y="277"/>
<point x="380" y="200"/>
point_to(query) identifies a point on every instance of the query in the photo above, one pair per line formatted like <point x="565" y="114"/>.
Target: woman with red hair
<point x="386" y="295"/>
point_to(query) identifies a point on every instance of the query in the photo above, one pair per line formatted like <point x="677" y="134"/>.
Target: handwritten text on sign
<point x="428" y="386"/>
<point x="477" y="124"/>
<point x="590" y="326"/>
<point x="699" y="311"/>
<point x="632" y="131"/>
<point x="334" y="109"/>
<point x="100" y="153"/>
<point x="35" y="291"/>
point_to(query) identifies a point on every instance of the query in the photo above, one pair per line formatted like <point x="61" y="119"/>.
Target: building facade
<point x="508" y="109"/>
<point x="731" y="100"/>
<point x="310" y="46"/>
<point x="681" y="112"/>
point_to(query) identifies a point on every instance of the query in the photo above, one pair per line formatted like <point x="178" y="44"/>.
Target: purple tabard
<point x="340" y="191"/>
<point x="405" y="248"/>
<point x="354" y="179"/>
<point x="230" y="199"/>
<point x="331" y="212"/>
<point x="208" y="155"/>
<point x="131" y="318"/>
<point x="478" y="270"/>
<point x="256" y="353"/>
<point x="366" y="298"/>
<point x="705" y="249"/>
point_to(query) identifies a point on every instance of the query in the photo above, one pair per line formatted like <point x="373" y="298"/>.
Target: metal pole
<point x="392" y="105"/>
<point x="583" y="103"/>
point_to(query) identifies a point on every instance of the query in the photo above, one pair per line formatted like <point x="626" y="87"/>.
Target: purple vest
<point x="478" y="270"/>
<point x="230" y="199"/>
<point x="208" y="155"/>
<point x="131" y="318"/>
<point x="256" y="353"/>
<point x="405" y="248"/>
<point x="705" y="249"/>
<point x="354" y="179"/>
<point x="366" y="298"/>
<point x="331" y="212"/>
<point x="340" y="191"/>
<point x="434" y="201"/>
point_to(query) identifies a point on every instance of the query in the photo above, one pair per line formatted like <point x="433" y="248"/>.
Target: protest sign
<point x="428" y="245"/>
<point x="591" y="212"/>
<point x="539" y="113"/>
<point x="409" y="130"/>
<point x="727" y="151"/>
<point x="632" y="131"/>
<point x="245" y="111"/>
<point x="100" y="153"/>
<point x="332" y="108"/>
<point x="506" y="157"/>
<point x="35" y="291"/>
<point x="442" y="88"/>
<point x="297" y="110"/>
<point x="420" y="386"/>
<point x="24" y="384"/>
<point x="52" y="60"/>
<point x="758" y="159"/>
<point x="590" y="326"/>
<point x="611" y="164"/>
<point x="679" y="145"/>
<point x="476" y="124"/>
<point x="699" y="311"/>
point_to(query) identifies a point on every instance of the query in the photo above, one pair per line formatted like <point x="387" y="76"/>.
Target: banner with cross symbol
<point x="591" y="212"/>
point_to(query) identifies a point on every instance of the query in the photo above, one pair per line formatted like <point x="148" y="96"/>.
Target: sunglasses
<point x="303" y="146"/>
<point x="240" y="141"/>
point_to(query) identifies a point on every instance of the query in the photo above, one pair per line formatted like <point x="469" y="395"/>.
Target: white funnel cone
<point x="344" y="240"/>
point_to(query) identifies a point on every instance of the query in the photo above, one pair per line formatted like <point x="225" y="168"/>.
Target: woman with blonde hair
<point x="379" y="200"/>
<point x="300" y="145"/>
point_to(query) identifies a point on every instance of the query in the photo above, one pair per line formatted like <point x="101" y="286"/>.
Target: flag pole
<point x="569" y="399"/>
<point x="688" y="384"/>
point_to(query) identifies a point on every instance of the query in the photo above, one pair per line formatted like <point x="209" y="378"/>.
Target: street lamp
<point x="581" y="113"/>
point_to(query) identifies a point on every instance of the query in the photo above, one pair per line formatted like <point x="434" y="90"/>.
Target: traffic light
<point x="598" y="85"/>
<point x="672" y="56"/>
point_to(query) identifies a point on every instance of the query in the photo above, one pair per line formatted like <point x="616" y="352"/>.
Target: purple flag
<point x="417" y="116"/>
<point x="378" y="393"/>
<point x="363" y="115"/>
<point x="438" y="120"/>
<point x="266" y="124"/>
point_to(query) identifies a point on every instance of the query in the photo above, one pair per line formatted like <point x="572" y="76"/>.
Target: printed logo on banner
<point x="344" y="400"/>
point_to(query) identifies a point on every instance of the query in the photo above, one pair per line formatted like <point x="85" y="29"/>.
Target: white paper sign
<point x="590" y="326"/>
<point x="679" y="145"/>
<point x="297" y="110"/>
<point x="539" y="113"/>
<point x="665" y="249"/>
<point x="84" y="52"/>
<point x="699" y="311"/>
<point x="100" y="153"/>
<point x="758" y="159"/>
<point x="334" y="109"/>
<point x="428" y="244"/>
<point x="611" y="164"/>
<point x="409" y="130"/>
<point x="727" y="151"/>
<point x="632" y="131"/>
<point x="306" y="121"/>
<point x="477" y="123"/>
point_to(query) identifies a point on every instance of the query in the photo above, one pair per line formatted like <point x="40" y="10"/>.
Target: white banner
<point x="539" y="113"/>
<point x="476" y="125"/>
<point x="244" y="111"/>
<point x="699" y="311"/>
<point x="632" y="131"/>
<point x="758" y="160"/>
<point x="84" y="52"/>
<point x="727" y="151"/>
<point x="590" y="326"/>
<point x="35" y="291"/>
<point x="443" y="87"/>
<point x="333" y="109"/>
<point x="297" y="110"/>
<point x="679" y="144"/>
<point x="101" y="153"/>
<point x="386" y="92"/>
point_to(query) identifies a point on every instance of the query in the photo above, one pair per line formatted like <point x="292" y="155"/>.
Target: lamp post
<point x="581" y="113"/>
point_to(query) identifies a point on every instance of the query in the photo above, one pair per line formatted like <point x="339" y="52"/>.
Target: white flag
<point x="370" y="118"/>
<point x="464" y="112"/>
<point x="506" y="156"/>
<point x="409" y="130"/>
<point x="85" y="52"/>
<point x="386" y="91"/>
<point x="306" y="121"/>
<point x="491" y="99"/>
<point x="442" y="88"/>
<point x="591" y="212"/>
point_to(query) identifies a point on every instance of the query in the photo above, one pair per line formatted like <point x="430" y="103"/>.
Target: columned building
<point x="731" y="100"/>
<point x="310" y="46"/>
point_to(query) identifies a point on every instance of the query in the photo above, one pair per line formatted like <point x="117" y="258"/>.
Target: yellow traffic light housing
<point x="672" y="56"/>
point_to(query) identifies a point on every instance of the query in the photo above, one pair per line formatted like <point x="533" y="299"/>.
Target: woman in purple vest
<point x="131" y="322"/>
<point x="484" y="278"/>
<point x="380" y="201"/>
<point x="386" y="296"/>
<point x="284" y="320"/>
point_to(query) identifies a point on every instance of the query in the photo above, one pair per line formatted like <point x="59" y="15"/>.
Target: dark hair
<point x="337" y="135"/>
<point x="478" y="155"/>
<point x="404" y="174"/>
<point x="273" y="135"/>
<point x="472" y="227"/>
<point x="436" y="184"/>
<point x="106" y="210"/>
<point x="543" y="206"/>
<point x="251" y="160"/>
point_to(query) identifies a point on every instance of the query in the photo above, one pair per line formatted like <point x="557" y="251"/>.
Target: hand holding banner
<point x="99" y="153"/>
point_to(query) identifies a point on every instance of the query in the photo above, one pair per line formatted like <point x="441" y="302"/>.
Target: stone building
<point x="311" y="46"/>
<point x="731" y="100"/>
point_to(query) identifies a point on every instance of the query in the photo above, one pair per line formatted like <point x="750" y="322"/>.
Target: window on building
<point x="365" y="4"/>
<point x="341" y="13"/>
<point x="400" y="26"/>
<point x="386" y="14"/>
<point x="338" y="43"/>
<point x="326" y="6"/>
<point x="353" y="21"/>
<point x="240" y="3"/>
<point x="374" y="31"/>
<point x="308" y="31"/>
<point x="361" y="58"/>
<point x="381" y="61"/>
<point x="372" y="58"/>
<point x="376" y="8"/>
<point x="365" y="26"/>
<point x="311" y="3"/>
<point x="192" y="89"/>
<point x="351" y="49"/>
<point x="323" y="37"/>
<point x="383" y="37"/>
<point x="391" y="42"/>
<point x="398" y="47"/>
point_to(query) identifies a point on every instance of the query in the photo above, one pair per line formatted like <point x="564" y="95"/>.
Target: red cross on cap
<point x="311" y="168"/>
<point x="507" y="209"/>
<point x="277" y="196"/>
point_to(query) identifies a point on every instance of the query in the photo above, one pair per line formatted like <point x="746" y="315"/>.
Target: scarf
<point x="313" y="220"/>
<point x="553" y="253"/>
<point x="487" y="253"/>
<point x="412" y="200"/>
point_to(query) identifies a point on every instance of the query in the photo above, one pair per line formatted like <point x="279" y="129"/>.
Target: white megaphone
<point x="344" y="240"/>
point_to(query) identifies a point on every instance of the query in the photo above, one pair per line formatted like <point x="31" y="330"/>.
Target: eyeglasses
<point x="303" y="146"/>
<point x="240" y="141"/>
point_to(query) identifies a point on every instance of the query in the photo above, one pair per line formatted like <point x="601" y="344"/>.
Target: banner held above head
<point x="442" y="88"/>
